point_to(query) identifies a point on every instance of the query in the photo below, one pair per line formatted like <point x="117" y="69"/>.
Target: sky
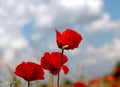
<point x="27" y="30"/>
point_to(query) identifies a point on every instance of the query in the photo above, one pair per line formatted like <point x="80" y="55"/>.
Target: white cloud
<point x="15" y="14"/>
<point x="97" y="61"/>
<point x="103" y="24"/>
<point x="19" y="43"/>
<point x="107" y="51"/>
<point x="91" y="55"/>
<point x="9" y="43"/>
<point x="112" y="50"/>
<point x="92" y="5"/>
<point x="56" y="13"/>
<point x="13" y="17"/>
<point x="72" y="3"/>
<point x="8" y="55"/>
<point x="88" y="61"/>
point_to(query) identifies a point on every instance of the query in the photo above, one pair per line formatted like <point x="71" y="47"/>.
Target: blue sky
<point x="112" y="7"/>
<point x="27" y="30"/>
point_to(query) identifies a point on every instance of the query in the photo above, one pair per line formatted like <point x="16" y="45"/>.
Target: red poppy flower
<point x="79" y="84"/>
<point x="117" y="69"/>
<point x="69" y="39"/>
<point x="111" y="78"/>
<point x="52" y="62"/>
<point x="95" y="81"/>
<point x="116" y="85"/>
<point x="30" y="71"/>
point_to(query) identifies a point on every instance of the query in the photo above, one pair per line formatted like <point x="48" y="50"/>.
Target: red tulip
<point x="79" y="84"/>
<point x="30" y="71"/>
<point x="52" y="62"/>
<point x="69" y="39"/>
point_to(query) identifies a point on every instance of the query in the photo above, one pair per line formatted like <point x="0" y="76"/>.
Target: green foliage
<point x="118" y="64"/>
<point x="68" y="83"/>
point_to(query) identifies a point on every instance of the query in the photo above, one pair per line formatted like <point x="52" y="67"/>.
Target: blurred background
<point x="27" y="30"/>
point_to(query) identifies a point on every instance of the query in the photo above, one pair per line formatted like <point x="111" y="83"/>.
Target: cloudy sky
<point x="27" y="30"/>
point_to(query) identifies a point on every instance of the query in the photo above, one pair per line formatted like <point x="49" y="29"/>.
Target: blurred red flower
<point x="111" y="78"/>
<point x="52" y="62"/>
<point x="69" y="39"/>
<point x="95" y="81"/>
<point x="79" y="84"/>
<point x="30" y="71"/>
<point x="116" y="85"/>
<point x="117" y="69"/>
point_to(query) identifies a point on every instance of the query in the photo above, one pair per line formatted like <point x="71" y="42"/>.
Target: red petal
<point x="46" y="60"/>
<point x="54" y="72"/>
<point x="58" y="34"/>
<point x="68" y="37"/>
<point x="65" y="69"/>
<point x="52" y="61"/>
<point x="58" y="39"/>
<point x="30" y="71"/>
<point x="79" y="84"/>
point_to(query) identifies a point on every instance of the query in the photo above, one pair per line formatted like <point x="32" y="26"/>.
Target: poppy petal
<point x="30" y="71"/>
<point x="51" y="61"/>
<point x="65" y="69"/>
<point x="69" y="38"/>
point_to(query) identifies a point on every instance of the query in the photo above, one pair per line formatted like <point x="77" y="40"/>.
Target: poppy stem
<point x="59" y="68"/>
<point x="28" y="83"/>
<point x="51" y="80"/>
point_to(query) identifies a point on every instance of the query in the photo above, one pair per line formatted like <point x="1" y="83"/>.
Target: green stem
<point x="59" y="68"/>
<point x="28" y="83"/>
<point x="51" y="80"/>
<point x="13" y="84"/>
